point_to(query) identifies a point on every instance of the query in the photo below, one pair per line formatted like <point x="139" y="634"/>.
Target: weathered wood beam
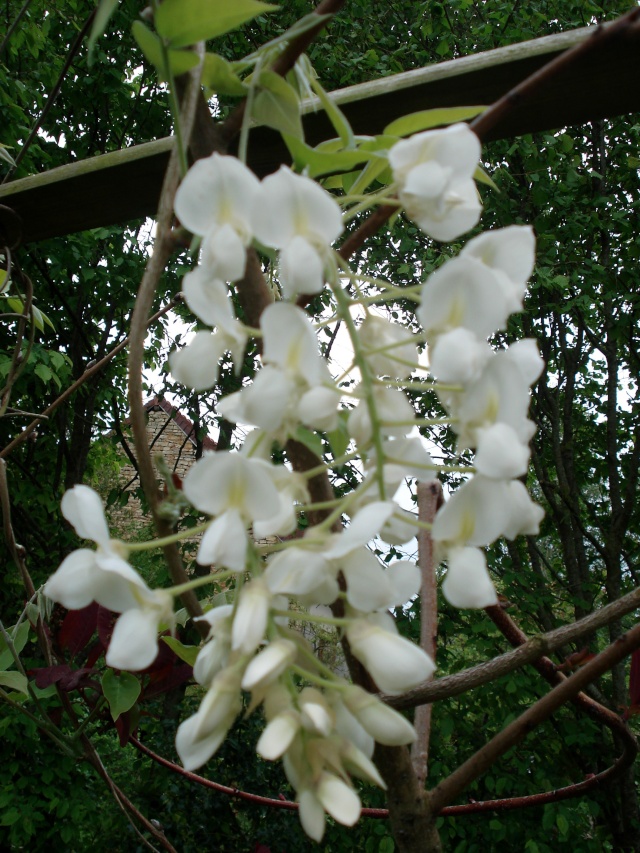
<point x="124" y="185"/>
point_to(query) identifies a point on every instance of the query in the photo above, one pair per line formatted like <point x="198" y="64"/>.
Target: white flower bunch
<point x="322" y="727"/>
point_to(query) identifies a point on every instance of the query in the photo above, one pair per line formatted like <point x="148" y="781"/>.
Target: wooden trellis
<point x="125" y="185"/>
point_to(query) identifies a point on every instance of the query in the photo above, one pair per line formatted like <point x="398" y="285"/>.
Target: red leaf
<point x="634" y="678"/>
<point x="106" y="621"/>
<point x="178" y="675"/>
<point x="77" y="628"/>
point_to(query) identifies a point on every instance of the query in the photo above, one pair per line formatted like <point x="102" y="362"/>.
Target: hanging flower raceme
<point x="105" y="576"/>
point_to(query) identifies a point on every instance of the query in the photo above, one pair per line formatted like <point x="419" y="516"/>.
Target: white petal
<point x="197" y="365"/>
<point x="318" y="408"/>
<point x="500" y="454"/>
<point x="301" y="268"/>
<point x="224" y="543"/>
<point x="382" y="722"/>
<point x="195" y="751"/>
<point x="84" y="509"/>
<point x="311" y="815"/>
<point x="475" y="514"/>
<point x="303" y="208"/>
<point x="467" y="583"/>
<point x="405" y="577"/>
<point x="339" y="799"/>
<point x="269" y="664"/>
<point x="291" y="344"/>
<point x="228" y="480"/>
<point x="394" y="663"/>
<point x="216" y="190"/>
<point x="250" y="620"/>
<point x="368" y="586"/>
<point x="296" y="571"/>
<point x="223" y="253"/>
<point x="208" y="298"/>
<point x="525" y="516"/>
<point x="276" y="738"/>
<point x="73" y="584"/>
<point x="134" y="642"/>
<point x="364" y="526"/>
<point x="458" y="356"/>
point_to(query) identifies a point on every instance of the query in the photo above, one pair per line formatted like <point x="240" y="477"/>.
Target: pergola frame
<point x="125" y="185"/>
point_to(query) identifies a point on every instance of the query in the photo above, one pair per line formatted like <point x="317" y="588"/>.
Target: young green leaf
<point x="219" y="77"/>
<point x="181" y="60"/>
<point x="14" y="681"/>
<point x="105" y="10"/>
<point x="4" y="155"/>
<point x="186" y="653"/>
<point x="310" y="439"/>
<point x="426" y="119"/>
<point x="322" y="163"/>
<point x="19" y="639"/>
<point x="185" y="22"/>
<point x="334" y="114"/>
<point x="277" y="105"/>
<point x="121" y="691"/>
<point x="482" y="178"/>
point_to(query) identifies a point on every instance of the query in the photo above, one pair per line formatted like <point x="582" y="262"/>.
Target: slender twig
<point x="430" y="499"/>
<point x="75" y="47"/>
<point x="532" y="650"/>
<point x="88" y="373"/>
<point x="283" y="64"/>
<point x="12" y="27"/>
<point x="162" y="251"/>
<point x="516" y="731"/>
<point x="549" y="73"/>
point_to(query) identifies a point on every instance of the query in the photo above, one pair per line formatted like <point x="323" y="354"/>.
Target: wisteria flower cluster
<point x="320" y="725"/>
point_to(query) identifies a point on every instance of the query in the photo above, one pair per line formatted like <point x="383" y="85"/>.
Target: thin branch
<point x="163" y="248"/>
<point x="430" y="499"/>
<point x="516" y="731"/>
<point x="283" y="64"/>
<point x="550" y="73"/>
<point x="89" y="372"/>
<point x="75" y="47"/>
<point x="534" y="648"/>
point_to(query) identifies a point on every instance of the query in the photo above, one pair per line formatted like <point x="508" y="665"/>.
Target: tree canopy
<point x="579" y="188"/>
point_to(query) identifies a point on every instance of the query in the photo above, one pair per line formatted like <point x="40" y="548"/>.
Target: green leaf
<point x="121" y="691"/>
<point x="310" y="439"/>
<point x="14" y="681"/>
<point x="105" y="10"/>
<point x="4" y="155"/>
<point x="43" y="372"/>
<point x="426" y="119"/>
<point x="185" y="22"/>
<point x="633" y="162"/>
<point x="218" y="76"/>
<point x="482" y="178"/>
<point x="19" y="638"/>
<point x="339" y="439"/>
<point x="186" y="653"/>
<point x="276" y="105"/>
<point x="323" y="163"/>
<point x="562" y="824"/>
<point x="335" y="115"/>
<point x="3" y="280"/>
<point x="180" y="61"/>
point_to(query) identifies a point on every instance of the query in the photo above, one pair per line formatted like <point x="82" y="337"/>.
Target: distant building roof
<point x="181" y="421"/>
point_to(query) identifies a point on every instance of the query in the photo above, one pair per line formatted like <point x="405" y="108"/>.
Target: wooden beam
<point x="125" y="185"/>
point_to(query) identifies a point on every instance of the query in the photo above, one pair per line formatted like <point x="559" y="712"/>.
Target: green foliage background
<point x="580" y="190"/>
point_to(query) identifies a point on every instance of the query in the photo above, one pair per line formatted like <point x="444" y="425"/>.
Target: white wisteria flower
<point x="434" y="172"/>
<point x="388" y="347"/>
<point x="395" y="663"/>
<point x="215" y="201"/>
<point x="307" y="221"/>
<point x="467" y="583"/>
<point x="105" y="576"/>
<point x="238" y="491"/>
